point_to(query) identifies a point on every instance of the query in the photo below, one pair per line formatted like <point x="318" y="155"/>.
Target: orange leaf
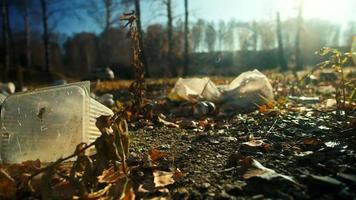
<point x="156" y="155"/>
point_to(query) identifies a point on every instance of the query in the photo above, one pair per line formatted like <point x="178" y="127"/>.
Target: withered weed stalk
<point x="137" y="88"/>
<point x="336" y="61"/>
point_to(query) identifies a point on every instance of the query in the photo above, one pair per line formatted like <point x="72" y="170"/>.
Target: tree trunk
<point x="44" y="4"/>
<point x="108" y="13"/>
<point x="28" y="36"/>
<point x="171" y="63"/>
<point x="186" y="41"/>
<point x="139" y="26"/>
<point x="281" y="58"/>
<point x="298" y="56"/>
<point x="6" y="38"/>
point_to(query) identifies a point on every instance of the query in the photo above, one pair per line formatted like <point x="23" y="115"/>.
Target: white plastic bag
<point x="194" y="89"/>
<point x="245" y="93"/>
<point x="248" y="91"/>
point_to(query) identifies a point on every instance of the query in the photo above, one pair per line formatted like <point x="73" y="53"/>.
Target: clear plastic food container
<point x="48" y="123"/>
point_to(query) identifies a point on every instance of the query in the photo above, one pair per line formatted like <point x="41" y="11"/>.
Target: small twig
<point x="60" y="160"/>
<point x="226" y="170"/>
<point x="270" y="129"/>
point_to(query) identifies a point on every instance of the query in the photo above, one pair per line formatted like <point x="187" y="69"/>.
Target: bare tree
<point x="44" y="8"/>
<point x="186" y="41"/>
<point x="197" y="34"/>
<point x="230" y="35"/>
<point x="171" y="63"/>
<point x="221" y="34"/>
<point x="210" y="37"/>
<point x="23" y="6"/>
<point x="105" y="13"/>
<point x="6" y="37"/>
<point x="298" y="57"/>
<point x="281" y="58"/>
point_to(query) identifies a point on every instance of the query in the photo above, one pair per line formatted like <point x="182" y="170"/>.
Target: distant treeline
<point x="224" y="48"/>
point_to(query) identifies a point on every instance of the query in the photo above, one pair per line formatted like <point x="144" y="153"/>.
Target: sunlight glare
<point x="333" y="10"/>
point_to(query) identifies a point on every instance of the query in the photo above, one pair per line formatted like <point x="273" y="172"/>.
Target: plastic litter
<point x="245" y="93"/>
<point x="305" y="100"/>
<point x="203" y="108"/>
<point x="48" y="123"/>
<point x="194" y="89"/>
<point x="107" y="99"/>
<point x="7" y="88"/>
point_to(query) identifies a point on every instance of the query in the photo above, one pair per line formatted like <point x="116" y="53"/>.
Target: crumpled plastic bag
<point x="245" y="93"/>
<point x="193" y="89"/>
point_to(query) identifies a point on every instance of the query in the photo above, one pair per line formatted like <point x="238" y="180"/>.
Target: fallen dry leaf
<point x="156" y="155"/>
<point x="253" y="168"/>
<point x="64" y="190"/>
<point x="7" y="185"/>
<point x="255" y="145"/>
<point x="162" y="178"/>
<point x="122" y="190"/>
<point x="111" y="175"/>
<point x="101" y="194"/>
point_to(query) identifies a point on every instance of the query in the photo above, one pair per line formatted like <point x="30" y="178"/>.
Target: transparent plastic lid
<point x="48" y="123"/>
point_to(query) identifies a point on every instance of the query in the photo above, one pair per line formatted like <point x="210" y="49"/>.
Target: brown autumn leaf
<point x="312" y="144"/>
<point x="122" y="190"/>
<point x="255" y="145"/>
<point x="64" y="190"/>
<point x="32" y="164"/>
<point x="312" y="141"/>
<point x="7" y="185"/>
<point x="111" y="175"/>
<point x="101" y="194"/>
<point x="162" y="178"/>
<point x="155" y="155"/>
<point x="253" y="168"/>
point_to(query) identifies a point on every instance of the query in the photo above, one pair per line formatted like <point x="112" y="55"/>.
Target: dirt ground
<point x="288" y="149"/>
<point x="310" y="148"/>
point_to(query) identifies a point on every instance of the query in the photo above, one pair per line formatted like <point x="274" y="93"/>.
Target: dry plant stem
<point x="60" y="160"/>
<point x="137" y="87"/>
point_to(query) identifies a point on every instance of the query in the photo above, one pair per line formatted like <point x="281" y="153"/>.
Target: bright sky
<point x="248" y="10"/>
<point x="339" y="11"/>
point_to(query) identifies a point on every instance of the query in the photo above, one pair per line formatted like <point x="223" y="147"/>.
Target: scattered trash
<point x="330" y="103"/>
<point x="7" y="88"/>
<point x="312" y="79"/>
<point x="48" y="123"/>
<point x="193" y="89"/>
<point x="107" y="100"/>
<point x="203" y="108"/>
<point x="245" y="93"/>
<point x="101" y="74"/>
<point x="305" y="100"/>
